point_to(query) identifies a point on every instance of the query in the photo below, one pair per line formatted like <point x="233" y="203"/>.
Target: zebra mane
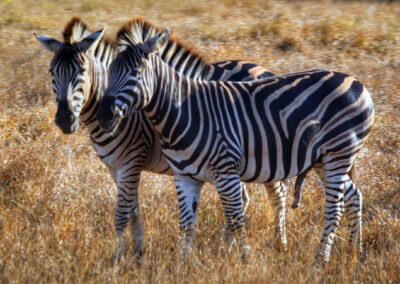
<point x="76" y="30"/>
<point x="182" y="57"/>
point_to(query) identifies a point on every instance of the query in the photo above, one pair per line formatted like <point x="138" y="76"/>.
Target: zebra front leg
<point x="277" y="196"/>
<point x="127" y="202"/>
<point x="136" y="226"/>
<point x="188" y="192"/>
<point x="229" y="189"/>
<point x="334" y="207"/>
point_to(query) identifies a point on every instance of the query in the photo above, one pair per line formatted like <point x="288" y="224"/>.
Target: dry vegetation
<point x="57" y="199"/>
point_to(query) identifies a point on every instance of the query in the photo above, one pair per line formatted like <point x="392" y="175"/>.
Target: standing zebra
<point x="259" y="131"/>
<point x="79" y="78"/>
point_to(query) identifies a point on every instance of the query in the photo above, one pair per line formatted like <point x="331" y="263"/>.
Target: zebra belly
<point x="280" y="172"/>
<point x="158" y="164"/>
<point x="273" y="157"/>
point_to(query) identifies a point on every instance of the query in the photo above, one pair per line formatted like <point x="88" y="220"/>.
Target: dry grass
<point x="56" y="198"/>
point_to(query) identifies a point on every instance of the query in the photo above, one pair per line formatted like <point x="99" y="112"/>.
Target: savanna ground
<point x="57" y="199"/>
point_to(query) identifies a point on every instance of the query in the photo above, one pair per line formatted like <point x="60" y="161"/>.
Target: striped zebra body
<point x="260" y="131"/>
<point x="79" y="80"/>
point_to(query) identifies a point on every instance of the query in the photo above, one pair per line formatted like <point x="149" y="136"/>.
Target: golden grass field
<point x="57" y="198"/>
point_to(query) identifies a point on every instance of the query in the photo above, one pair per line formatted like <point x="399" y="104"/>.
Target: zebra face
<point x="123" y="92"/>
<point x="129" y="82"/>
<point x="70" y="80"/>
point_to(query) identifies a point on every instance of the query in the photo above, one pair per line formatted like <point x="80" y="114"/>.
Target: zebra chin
<point x="68" y="128"/>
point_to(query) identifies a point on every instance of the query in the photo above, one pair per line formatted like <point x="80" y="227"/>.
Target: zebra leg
<point x="245" y="196"/>
<point x="229" y="190"/>
<point x="353" y="207"/>
<point x="127" y="202"/>
<point x="136" y="229"/>
<point x="188" y="191"/>
<point x="334" y="207"/>
<point x="277" y="196"/>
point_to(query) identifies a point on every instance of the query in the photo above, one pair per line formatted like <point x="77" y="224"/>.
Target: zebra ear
<point x="49" y="43"/>
<point x="155" y="43"/>
<point x="91" y="41"/>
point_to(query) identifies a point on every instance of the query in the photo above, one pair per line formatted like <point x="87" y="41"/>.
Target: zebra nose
<point x="65" y="119"/>
<point x="66" y="126"/>
<point x="105" y="113"/>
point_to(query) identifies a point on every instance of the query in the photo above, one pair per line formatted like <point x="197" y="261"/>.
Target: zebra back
<point x="187" y="60"/>
<point x="235" y="70"/>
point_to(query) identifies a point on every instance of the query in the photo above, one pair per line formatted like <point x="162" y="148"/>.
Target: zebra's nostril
<point x="124" y="111"/>
<point x="115" y="109"/>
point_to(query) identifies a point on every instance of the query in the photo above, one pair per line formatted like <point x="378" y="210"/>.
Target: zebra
<point x="79" y="78"/>
<point x="259" y="131"/>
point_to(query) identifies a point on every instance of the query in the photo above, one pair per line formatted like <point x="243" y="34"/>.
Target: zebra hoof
<point x="137" y="254"/>
<point x="245" y="253"/>
<point x="295" y="205"/>
<point x="116" y="259"/>
<point x="320" y="263"/>
<point x="280" y="247"/>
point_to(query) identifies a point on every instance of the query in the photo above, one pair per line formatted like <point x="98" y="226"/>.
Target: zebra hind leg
<point x="353" y="207"/>
<point x="335" y="181"/>
<point x="277" y="196"/>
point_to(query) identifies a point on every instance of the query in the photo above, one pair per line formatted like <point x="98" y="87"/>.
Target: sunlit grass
<point x="57" y="199"/>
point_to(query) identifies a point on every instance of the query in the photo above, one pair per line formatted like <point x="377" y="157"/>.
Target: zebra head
<point x="129" y="80"/>
<point x="69" y="72"/>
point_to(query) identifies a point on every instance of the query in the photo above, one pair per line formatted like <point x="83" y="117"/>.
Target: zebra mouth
<point x="67" y="126"/>
<point x="71" y="129"/>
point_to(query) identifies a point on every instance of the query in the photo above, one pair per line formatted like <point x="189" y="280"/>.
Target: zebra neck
<point x="170" y="91"/>
<point x="96" y="86"/>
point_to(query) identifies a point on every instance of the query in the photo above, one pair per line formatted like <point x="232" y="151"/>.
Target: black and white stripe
<point x="79" y="77"/>
<point x="260" y="131"/>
